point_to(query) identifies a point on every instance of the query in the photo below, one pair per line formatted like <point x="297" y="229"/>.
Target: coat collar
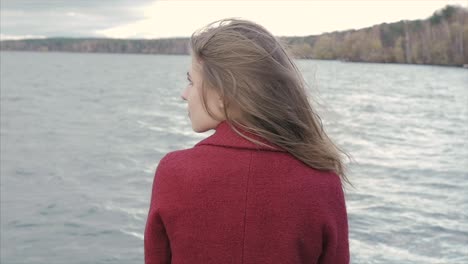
<point x="225" y="136"/>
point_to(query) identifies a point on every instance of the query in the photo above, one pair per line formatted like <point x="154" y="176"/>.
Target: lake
<point x="81" y="136"/>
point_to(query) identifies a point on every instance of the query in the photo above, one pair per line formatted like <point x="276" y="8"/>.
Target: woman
<point x="266" y="187"/>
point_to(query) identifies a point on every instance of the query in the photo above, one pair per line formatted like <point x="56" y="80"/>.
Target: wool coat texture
<point x="228" y="200"/>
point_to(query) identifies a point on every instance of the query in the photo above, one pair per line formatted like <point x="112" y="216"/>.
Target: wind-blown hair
<point x="263" y="91"/>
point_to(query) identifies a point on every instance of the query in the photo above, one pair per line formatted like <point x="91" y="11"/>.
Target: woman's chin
<point x="199" y="129"/>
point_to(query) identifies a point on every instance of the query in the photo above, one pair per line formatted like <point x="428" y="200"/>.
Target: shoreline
<point x="463" y="66"/>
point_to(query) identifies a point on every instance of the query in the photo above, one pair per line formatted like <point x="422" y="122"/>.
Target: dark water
<point x="81" y="135"/>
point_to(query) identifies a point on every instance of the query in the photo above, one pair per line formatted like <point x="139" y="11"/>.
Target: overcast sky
<point x="162" y="19"/>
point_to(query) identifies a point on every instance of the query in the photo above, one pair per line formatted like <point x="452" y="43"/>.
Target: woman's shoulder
<point x="182" y="155"/>
<point x="171" y="165"/>
<point x="183" y="159"/>
<point x="175" y="158"/>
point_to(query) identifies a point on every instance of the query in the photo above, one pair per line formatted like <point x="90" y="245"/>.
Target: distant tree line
<point x="441" y="39"/>
<point x="104" y="45"/>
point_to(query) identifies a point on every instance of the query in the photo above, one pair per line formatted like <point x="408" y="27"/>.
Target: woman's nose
<point x="184" y="95"/>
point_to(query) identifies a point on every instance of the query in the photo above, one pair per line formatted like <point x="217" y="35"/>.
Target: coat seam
<point x="245" y="207"/>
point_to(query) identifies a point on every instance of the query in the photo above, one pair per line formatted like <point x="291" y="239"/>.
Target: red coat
<point x="227" y="200"/>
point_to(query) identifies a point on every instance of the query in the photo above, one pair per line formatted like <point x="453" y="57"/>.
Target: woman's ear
<point x="220" y="102"/>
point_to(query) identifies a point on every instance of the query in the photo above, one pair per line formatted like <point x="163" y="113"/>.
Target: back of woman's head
<point x="262" y="90"/>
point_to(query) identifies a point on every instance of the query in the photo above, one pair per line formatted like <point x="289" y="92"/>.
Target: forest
<point x="441" y="39"/>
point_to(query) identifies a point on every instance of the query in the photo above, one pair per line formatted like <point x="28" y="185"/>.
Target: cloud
<point x="160" y="19"/>
<point x="283" y="18"/>
<point x="66" y="18"/>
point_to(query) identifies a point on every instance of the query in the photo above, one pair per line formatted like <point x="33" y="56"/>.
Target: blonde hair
<point x="263" y="91"/>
